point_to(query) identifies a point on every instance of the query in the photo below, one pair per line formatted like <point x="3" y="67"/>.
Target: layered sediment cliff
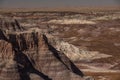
<point x="27" y="55"/>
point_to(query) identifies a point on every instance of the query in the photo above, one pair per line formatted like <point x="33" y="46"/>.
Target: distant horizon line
<point x="62" y="8"/>
<point x="46" y="6"/>
<point x="93" y="6"/>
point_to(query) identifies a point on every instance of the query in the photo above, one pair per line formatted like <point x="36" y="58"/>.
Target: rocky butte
<point x="27" y="55"/>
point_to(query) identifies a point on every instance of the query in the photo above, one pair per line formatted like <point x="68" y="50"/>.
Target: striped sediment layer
<point x="10" y="71"/>
<point x="27" y="55"/>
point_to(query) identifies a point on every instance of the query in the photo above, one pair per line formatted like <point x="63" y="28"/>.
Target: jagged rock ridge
<point x="27" y="55"/>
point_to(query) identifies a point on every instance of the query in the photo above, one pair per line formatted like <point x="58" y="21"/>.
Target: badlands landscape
<point x="60" y="45"/>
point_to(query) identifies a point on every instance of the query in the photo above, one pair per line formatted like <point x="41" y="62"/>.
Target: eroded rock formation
<point x="75" y="53"/>
<point x="27" y="55"/>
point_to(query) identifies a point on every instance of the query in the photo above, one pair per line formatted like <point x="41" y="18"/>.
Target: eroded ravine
<point x="27" y="55"/>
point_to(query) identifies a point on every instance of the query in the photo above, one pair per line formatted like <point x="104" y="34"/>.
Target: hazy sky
<point x="56" y="3"/>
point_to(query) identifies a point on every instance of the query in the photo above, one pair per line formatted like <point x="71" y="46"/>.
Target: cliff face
<point x="27" y="55"/>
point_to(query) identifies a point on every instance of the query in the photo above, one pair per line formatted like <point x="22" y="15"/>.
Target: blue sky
<point x="56" y="3"/>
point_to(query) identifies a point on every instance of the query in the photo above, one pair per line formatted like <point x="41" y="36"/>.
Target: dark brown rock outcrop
<point x="27" y="55"/>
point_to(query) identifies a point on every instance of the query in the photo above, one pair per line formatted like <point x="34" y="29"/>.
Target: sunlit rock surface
<point x="27" y="55"/>
<point x="93" y="47"/>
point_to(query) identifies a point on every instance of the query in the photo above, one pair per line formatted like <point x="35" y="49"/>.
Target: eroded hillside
<point x="27" y="55"/>
<point x="90" y="40"/>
